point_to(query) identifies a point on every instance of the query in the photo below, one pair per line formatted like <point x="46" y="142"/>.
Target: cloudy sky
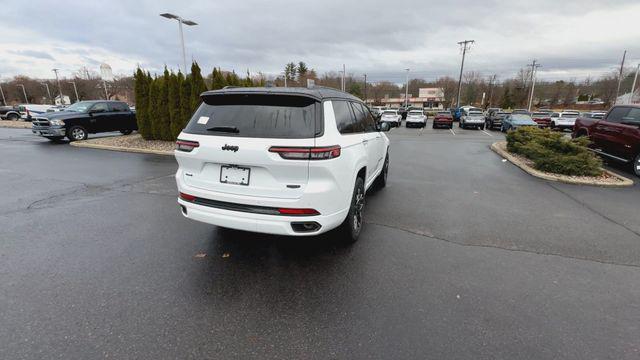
<point x="571" y="39"/>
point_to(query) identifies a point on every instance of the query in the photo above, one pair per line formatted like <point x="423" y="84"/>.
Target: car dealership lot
<point x="462" y="256"/>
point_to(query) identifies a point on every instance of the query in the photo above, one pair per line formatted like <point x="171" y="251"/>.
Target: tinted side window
<point x="617" y="113"/>
<point x="119" y="107"/>
<point x="634" y="114"/>
<point x="370" y="122"/>
<point x="361" y="118"/>
<point x="344" y="116"/>
<point x="100" y="107"/>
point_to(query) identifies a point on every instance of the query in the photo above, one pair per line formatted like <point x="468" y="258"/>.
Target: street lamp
<point x="48" y="92"/>
<point x="24" y="92"/>
<point x="406" y="90"/>
<point x="75" y="89"/>
<point x="180" y="22"/>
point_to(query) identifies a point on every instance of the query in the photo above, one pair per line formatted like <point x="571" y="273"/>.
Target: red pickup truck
<point x="616" y="136"/>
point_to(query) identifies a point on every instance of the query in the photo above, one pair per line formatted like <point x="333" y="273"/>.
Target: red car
<point x="542" y="118"/>
<point x="616" y="136"/>
<point x="443" y="119"/>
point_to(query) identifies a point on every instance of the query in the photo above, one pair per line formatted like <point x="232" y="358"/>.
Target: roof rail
<point x="231" y="87"/>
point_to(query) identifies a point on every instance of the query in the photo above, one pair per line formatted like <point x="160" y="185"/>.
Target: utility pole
<point x="492" y="80"/>
<point x="406" y="89"/>
<point x="59" y="87"/>
<point x="620" y="77"/>
<point x="344" y="74"/>
<point x="48" y="92"/>
<point x="466" y="45"/>
<point x="633" y="87"/>
<point x="365" y="88"/>
<point x="534" y="66"/>
<point x="24" y="92"/>
<point x="4" y="101"/>
<point x="75" y="89"/>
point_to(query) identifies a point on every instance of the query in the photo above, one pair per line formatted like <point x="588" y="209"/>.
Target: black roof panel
<point x="319" y="93"/>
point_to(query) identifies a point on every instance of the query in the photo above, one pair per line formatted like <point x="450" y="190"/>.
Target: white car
<point x="416" y="118"/>
<point x="392" y="117"/>
<point x="472" y="118"/>
<point x="27" y="111"/>
<point x="563" y="120"/>
<point x="292" y="161"/>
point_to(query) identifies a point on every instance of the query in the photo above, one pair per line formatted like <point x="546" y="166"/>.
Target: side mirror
<point x="384" y="126"/>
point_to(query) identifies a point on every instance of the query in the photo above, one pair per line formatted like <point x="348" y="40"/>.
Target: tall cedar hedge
<point x="165" y="103"/>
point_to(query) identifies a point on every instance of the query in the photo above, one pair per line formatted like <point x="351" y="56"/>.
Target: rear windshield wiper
<point x="227" y="129"/>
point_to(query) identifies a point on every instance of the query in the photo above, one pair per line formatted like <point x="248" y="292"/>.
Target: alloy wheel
<point x="359" y="206"/>
<point x="78" y="134"/>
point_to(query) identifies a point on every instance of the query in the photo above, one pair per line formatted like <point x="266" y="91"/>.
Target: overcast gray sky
<point x="380" y="38"/>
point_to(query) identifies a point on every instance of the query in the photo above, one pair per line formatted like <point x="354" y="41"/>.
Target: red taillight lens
<point x="186" y="145"/>
<point x="308" y="212"/>
<point x="307" y="153"/>
<point x="187" y="197"/>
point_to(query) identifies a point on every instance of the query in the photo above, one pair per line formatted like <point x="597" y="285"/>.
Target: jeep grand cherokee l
<point x="287" y="161"/>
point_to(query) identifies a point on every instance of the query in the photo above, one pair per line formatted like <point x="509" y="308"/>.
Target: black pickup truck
<point x="79" y="120"/>
<point x="9" y="113"/>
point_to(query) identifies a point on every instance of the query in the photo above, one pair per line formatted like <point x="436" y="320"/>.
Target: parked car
<point x="521" y="111"/>
<point x="9" y="113"/>
<point x="473" y="119"/>
<point x="416" y="118"/>
<point x="488" y="112"/>
<point x="377" y="111"/>
<point x="593" y="114"/>
<point x="563" y="120"/>
<point x="27" y="111"/>
<point x="615" y="136"/>
<point x="84" y="118"/>
<point x="443" y="118"/>
<point x="542" y="118"/>
<point x="495" y="119"/>
<point x="391" y="117"/>
<point x="514" y="121"/>
<point x="292" y="161"/>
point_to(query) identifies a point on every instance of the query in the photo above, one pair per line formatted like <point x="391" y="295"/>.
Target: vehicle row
<point x="416" y="119"/>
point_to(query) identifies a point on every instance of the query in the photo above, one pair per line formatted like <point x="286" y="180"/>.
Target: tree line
<point x="166" y="102"/>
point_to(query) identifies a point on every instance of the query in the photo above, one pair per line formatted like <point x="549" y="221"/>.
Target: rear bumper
<point x="268" y="224"/>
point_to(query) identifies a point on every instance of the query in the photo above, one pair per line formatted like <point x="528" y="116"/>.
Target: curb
<point x="120" y="148"/>
<point x="11" y="125"/>
<point x="499" y="147"/>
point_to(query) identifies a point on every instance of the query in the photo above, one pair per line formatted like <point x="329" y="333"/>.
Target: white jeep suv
<point x="287" y="161"/>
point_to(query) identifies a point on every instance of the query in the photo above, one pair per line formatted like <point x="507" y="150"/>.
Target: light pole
<point x="633" y="87"/>
<point x="24" y="92"/>
<point x="534" y="66"/>
<point x="75" y="89"/>
<point x="46" y="85"/>
<point x="4" y="101"/>
<point x="620" y="77"/>
<point x="180" y="22"/>
<point x="466" y="44"/>
<point x="59" y="87"/>
<point x="406" y="90"/>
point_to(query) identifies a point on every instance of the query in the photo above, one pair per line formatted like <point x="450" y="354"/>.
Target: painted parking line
<point x="453" y="132"/>
<point x="487" y="133"/>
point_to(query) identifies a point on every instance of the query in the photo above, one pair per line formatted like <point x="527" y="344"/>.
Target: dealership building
<point x="428" y="98"/>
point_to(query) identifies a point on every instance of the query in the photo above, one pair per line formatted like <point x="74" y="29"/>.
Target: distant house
<point x="65" y="100"/>
<point x="628" y="99"/>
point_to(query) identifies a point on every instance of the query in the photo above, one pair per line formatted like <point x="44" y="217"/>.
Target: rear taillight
<point x="186" y="145"/>
<point x="306" y="153"/>
<point x="302" y="212"/>
<point x="187" y="197"/>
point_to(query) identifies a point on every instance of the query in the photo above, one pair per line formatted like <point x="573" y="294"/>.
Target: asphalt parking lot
<point x="463" y="256"/>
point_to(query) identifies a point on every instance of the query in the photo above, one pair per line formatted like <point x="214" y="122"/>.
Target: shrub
<point x="553" y="152"/>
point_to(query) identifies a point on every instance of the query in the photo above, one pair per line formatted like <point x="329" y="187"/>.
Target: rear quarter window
<point x="257" y="116"/>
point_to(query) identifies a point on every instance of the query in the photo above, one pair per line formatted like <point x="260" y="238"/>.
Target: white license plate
<point x="231" y="174"/>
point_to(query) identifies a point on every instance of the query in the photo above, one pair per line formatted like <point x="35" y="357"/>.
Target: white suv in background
<point x="563" y="120"/>
<point x="288" y="161"/>
<point x="416" y="118"/>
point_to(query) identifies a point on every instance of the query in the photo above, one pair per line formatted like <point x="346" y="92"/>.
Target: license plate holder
<point x="235" y="175"/>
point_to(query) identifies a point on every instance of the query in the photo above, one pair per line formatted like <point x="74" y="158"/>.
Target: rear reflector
<point x="186" y="145"/>
<point x="288" y="211"/>
<point x="307" y="153"/>
<point x="187" y="197"/>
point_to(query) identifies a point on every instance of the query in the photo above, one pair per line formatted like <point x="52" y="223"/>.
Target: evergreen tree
<point x="248" y="82"/>
<point x="154" y="109"/>
<point x="178" y="121"/>
<point x="174" y="106"/>
<point x="217" y="79"/>
<point x="185" y="101"/>
<point x="165" y="108"/>
<point x="141" y="91"/>
<point x="507" y="100"/>
<point x="197" y="87"/>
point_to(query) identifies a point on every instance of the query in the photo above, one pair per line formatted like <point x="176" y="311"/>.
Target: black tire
<point x="433" y="126"/>
<point x="126" y="132"/>
<point x="381" y="181"/>
<point x="481" y="127"/>
<point x="352" y="225"/>
<point x="451" y="126"/>
<point x="77" y="133"/>
<point x="636" y="165"/>
<point x="13" y="117"/>
<point x="552" y="126"/>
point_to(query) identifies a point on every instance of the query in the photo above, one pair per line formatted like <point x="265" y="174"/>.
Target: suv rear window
<point x="257" y="115"/>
